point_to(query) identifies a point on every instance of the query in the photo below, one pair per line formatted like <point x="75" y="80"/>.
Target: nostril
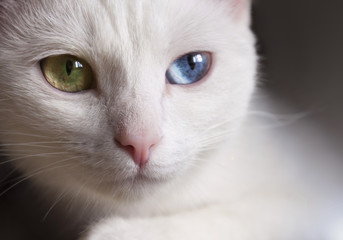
<point x="128" y="148"/>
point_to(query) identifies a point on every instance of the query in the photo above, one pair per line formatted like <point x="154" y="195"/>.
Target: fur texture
<point x="199" y="183"/>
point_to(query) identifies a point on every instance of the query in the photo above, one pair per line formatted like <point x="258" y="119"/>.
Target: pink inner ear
<point x="236" y="3"/>
<point x="239" y="8"/>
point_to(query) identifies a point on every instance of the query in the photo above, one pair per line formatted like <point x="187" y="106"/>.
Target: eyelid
<point x="190" y="52"/>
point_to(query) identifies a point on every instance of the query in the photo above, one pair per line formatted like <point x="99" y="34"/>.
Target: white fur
<point x="202" y="181"/>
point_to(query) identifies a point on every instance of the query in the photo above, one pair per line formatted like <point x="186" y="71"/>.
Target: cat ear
<point x="241" y="10"/>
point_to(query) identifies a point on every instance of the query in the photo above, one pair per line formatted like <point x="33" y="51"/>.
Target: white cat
<point x="135" y="107"/>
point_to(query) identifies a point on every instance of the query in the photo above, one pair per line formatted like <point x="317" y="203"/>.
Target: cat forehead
<point x="167" y="27"/>
<point x="89" y="27"/>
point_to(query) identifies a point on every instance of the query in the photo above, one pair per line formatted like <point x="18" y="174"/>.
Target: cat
<point x="139" y="111"/>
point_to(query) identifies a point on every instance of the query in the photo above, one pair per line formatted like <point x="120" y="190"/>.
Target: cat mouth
<point x="145" y="175"/>
<point x="143" y="179"/>
<point x="140" y="176"/>
<point x="132" y="175"/>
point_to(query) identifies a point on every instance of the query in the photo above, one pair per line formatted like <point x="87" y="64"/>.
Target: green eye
<point x="67" y="73"/>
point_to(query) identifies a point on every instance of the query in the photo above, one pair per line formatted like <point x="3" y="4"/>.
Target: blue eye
<point x="189" y="68"/>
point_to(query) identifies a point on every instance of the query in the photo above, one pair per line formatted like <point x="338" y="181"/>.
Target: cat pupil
<point x="69" y="67"/>
<point x="191" y="61"/>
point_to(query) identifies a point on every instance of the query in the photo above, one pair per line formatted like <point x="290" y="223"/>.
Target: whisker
<point x="7" y="176"/>
<point x="219" y="124"/>
<point x="59" y="198"/>
<point x="33" y="155"/>
<point x="24" y="134"/>
<point x="4" y="152"/>
<point x="280" y="120"/>
<point x="32" y="143"/>
<point x="30" y="176"/>
<point x="215" y="138"/>
<point x="39" y="171"/>
<point x="280" y="116"/>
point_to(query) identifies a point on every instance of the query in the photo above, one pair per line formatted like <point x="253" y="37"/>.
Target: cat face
<point x="132" y="128"/>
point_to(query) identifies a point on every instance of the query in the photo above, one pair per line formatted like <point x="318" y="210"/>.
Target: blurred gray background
<point x="301" y="44"/>
<point x="301" y="48"/>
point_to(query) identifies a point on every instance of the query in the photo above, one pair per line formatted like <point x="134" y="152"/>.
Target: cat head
<point x="166" y="83"/>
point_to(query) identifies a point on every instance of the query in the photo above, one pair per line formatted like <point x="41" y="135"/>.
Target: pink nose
<point x="139" y="147"/>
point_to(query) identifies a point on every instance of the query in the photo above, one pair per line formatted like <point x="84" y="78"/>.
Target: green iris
<point x="67" y="73"/>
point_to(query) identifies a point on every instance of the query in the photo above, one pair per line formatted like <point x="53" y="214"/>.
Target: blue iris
<point x="189" y="68"/>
